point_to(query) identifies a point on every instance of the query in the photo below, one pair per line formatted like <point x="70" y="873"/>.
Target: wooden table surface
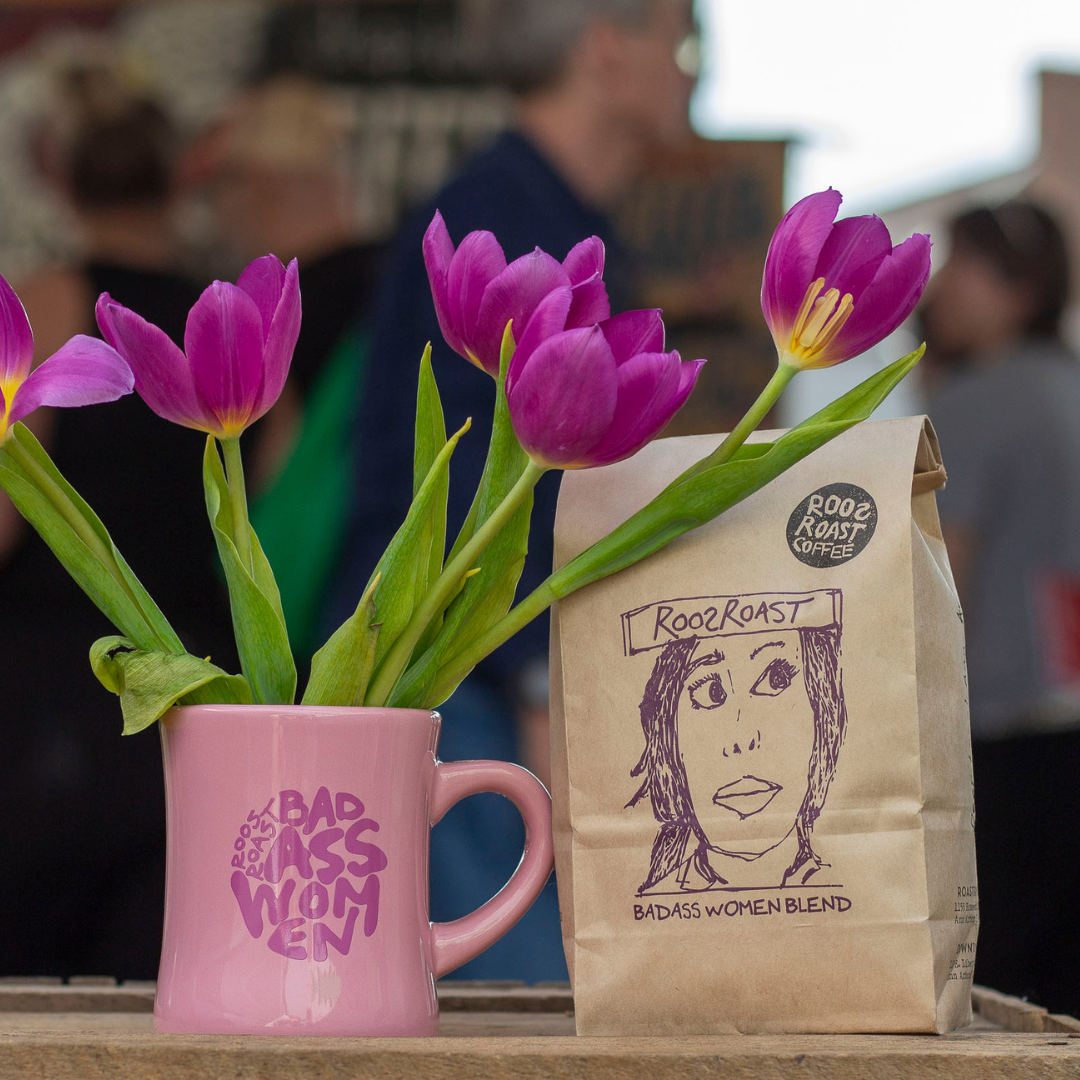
<point x="91" y="1029"/>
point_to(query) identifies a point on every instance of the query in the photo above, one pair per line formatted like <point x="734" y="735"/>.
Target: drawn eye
<point x="708" y="693"/>
<point x="775" y="679"/>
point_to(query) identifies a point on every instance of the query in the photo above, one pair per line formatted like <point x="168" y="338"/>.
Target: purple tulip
<point x="476" y="294"/>
<point x="84" y="371"/>
<point x="832" y="289"/>
<point x="593" y="395"/>
<point x="238" y="346"/>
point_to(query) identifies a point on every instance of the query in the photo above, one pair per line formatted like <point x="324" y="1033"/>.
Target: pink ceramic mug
<point x="297" y="888"/>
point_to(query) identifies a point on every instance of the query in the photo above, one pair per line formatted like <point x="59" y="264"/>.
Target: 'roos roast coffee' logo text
<point x="832" y="525"/>
<point x="311" y="869"/>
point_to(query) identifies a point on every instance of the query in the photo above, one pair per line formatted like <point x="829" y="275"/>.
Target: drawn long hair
<point x="664" y="778"/>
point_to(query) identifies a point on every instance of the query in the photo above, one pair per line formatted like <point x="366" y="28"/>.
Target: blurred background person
<point x="1006" y="405"/>
<point x="280" y="175"/>
<point x="84" y="890"/>
<point x="595" y="83"/>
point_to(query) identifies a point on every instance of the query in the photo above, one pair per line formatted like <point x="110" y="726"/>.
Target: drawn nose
<point x="754" y="744"/>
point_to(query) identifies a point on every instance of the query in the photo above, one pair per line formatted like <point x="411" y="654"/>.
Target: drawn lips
<point x="747" y="796"/>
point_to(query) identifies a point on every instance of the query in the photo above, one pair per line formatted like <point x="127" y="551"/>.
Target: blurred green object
<point x="301" y="518"/>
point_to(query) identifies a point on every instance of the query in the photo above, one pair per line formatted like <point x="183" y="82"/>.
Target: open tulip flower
<point x="594" y="395"/>
<point x="238" y="346"/>
<point x="476" y="293"/>
<point x="832" y="289"/>
<point x="84" y="371"/>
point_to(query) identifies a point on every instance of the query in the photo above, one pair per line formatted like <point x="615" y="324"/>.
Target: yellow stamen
<point x="804" y="310"/>
<point x="819" y="320"/>
<point x="8" y="389"/>
<point x="823" y="308"/>
<point x="833" y="326"/>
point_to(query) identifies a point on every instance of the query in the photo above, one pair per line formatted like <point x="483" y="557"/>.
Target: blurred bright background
<point x="910" y="111"/>
<point x="886" y="102"/>
<point x="913" y="111"/>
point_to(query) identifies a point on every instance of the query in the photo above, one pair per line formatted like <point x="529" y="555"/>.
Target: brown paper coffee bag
<point x="761" y="757"/>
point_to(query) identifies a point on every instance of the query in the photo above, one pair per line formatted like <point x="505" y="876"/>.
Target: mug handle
<point x="455" y="943"/>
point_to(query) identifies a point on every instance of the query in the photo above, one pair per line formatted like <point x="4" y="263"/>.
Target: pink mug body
<point x="297" y="882"/>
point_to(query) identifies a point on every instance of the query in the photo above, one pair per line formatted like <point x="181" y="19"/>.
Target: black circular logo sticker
<point x="832" y="525"/>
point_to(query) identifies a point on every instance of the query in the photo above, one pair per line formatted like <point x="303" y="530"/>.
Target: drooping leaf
<point x="58" y="513"/>
<point x="702" y="496"/>
<point x="259" y="626"/>
<point x="149" y="683"/>
<point x="691" y="500"/>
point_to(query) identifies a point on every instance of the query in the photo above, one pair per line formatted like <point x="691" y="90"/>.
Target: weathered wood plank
<point x="103" y="995"/>
<point x="101" y="1047"/>
<point x="506" y="1032"/>
<point x="1010" y="1013"/>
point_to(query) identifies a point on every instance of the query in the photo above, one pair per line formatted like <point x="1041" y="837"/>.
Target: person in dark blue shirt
<point x="596" y="82"/>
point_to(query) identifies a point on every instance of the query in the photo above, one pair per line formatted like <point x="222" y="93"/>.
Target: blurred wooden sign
<point x="374" y="41"/>
<point x="699" y="221"/>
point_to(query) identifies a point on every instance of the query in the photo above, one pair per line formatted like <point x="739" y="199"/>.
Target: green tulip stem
<point x="536" y="603"/>
<point x="79" y="525"/>
<point x="234" y="474"/>
<point x="783" y="374"/>
<point x="446" y="585"/>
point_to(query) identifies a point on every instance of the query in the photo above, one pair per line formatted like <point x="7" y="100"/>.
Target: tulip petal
<point x="885" y="303"/>
<point x="84" y="371"/>
<point x="162" y="373"/>
<point x="634" y="332"/>
<point x="224" y="345"/>
<point x="16" y="338"/>
<point x="515" y="293"/>
<point x="548" y="319"/>
<point x="438" y="252"/>
<point x="793" y="256"/>
<point x="652" y="388"/>
<point x="590" y="303"/>
<point x="852" y="254"/>
<point x="280" y="342"/>
<point x="263" y="279"/>
<point x="564" y="396"/>
<point x="475" y="263"/>
<point x="585" y="260"/>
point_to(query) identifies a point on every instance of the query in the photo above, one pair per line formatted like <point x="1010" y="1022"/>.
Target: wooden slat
<point x="86" y="995"/>
<point x="487" y="997"/>
<point x="1060" y="1022"/>
<point x="502" y="1032"/>
<point x="484" y="1046"/>
<point x="80" y="996"/>
<point x="1010" y="1013"/>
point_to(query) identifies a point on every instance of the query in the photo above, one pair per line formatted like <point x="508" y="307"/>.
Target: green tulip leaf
<point x="394" y="589"/>
<point x="261" y="638"/>
<point x="487" y="595"/>
<point x="860" y="401"/>
<point x="341" y="669"/>
<point x="76" y="536"/>
<point x="149" y="683"/>
<point x="429" y="440"/>
<point x="700" y="494"/>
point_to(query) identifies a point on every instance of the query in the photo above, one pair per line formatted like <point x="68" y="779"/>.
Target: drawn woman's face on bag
<point x="746" y="732"/>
